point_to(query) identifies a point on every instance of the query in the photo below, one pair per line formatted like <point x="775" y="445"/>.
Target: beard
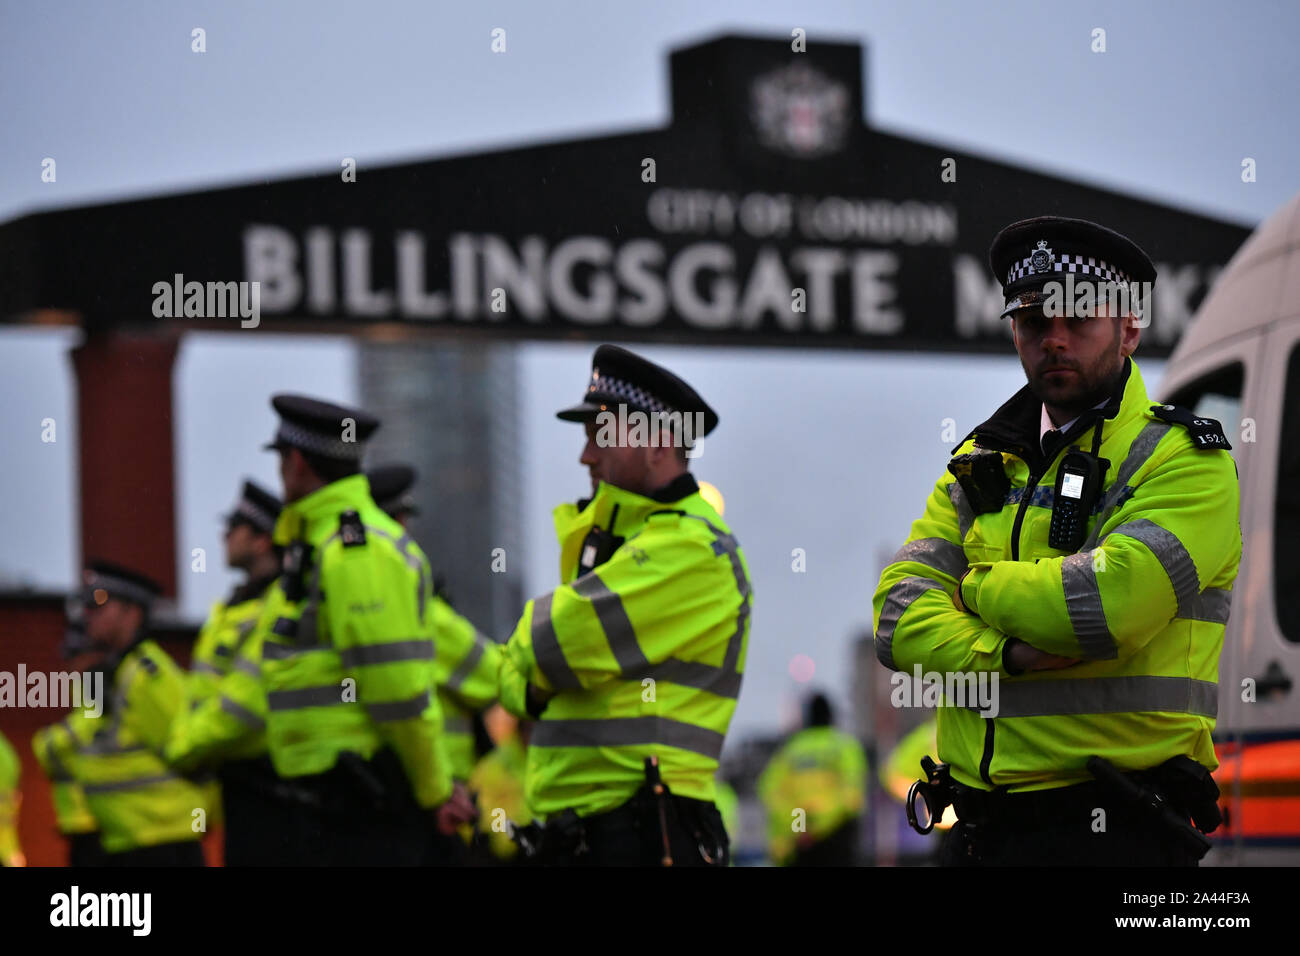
<point x="1084" y="387"/>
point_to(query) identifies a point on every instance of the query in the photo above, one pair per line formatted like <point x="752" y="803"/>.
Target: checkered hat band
<point x="632" y="394"/>
<point x="259" y="518"/>
<point x="1079" y="265"/>
<point x="119" y="588"/>
<point x="326" y="446"/>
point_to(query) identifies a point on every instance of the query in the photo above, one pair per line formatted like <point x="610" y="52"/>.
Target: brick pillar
<point x="124" y="408"/>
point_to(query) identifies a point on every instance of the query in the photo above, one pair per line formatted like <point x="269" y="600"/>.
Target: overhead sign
<point x="767" y="212"/>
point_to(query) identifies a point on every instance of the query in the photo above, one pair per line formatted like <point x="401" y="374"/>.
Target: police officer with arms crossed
<point x="632" y="666"/>
<point x="1082" y="547"/>
<point x="348" y="634"/>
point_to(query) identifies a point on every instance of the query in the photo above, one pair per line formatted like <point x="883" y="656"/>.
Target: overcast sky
<point x="830" y="452"/>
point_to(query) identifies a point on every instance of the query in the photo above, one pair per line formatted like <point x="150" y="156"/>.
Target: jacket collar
<point x="1015" y="426"/>
<point x="250" y="589"/>
<point x="113" y="663"/>
<point x="574" y="521"/>
<point x="296" y="519"/>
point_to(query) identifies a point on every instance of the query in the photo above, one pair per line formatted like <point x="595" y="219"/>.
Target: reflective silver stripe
<point x="390" y="652"/>
<point x="399" y="709"/>
<point x="627" y="732"/>
<point x="329" y="696"/>
<point x="1137" y="456"/>
<point x="1212" y="604"/>
<point x="716" y="680"/>
<point x="135" y="784"/>
<point x="456" y="724"/>
<point x="203" y="667"/>
<point x="965" y="515"/>
<point x="900" y="597"/>
<point x="241" y="713"/>
<point x="546" y="648"/>
<point x="937" y="553"/>
<point x="1107" y="695"/>
<point x="412" y="561"/>
<point x="466" y="667"/>
<point x="245" y="666"/>
<point x="727" y="544"/>
<point x="401" y="544"/>
<point x="613" y="621"/>
<point x="1173" y="557"/>
<point x="272" y="651"/>
<point x="1083" y="604"/>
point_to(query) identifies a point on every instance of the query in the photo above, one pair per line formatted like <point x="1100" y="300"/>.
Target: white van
<point x="1239" y="362"/>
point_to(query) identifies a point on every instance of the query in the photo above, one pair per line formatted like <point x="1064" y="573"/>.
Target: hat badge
<point x="1042" y="258"/>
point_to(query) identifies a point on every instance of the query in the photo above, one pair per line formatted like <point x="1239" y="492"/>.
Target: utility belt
<point x="653" y="810"/>
<point x="353" y="785"/>
<point x="1179" y="796"/>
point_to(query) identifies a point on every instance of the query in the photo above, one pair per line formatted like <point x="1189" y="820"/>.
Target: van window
<point x="1286" y="515"/>
<point x="1218" y="396"/>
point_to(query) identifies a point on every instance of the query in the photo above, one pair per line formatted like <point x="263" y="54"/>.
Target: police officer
<point x="347" y="656"/>
<point x="75" y="822"/>
<point x="1080" y="551"/>
<point x="222" y="725"/>
<point x="146" y="813"/>
<point x="815" y="792"/>
<point x="632" y="666"/>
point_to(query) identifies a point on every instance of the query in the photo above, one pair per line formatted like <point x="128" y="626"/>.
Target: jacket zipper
<point x="986" y="761"/>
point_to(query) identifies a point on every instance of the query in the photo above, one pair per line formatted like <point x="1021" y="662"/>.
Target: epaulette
<point x="1206" y="433"/>
<point x="351" y="530"/>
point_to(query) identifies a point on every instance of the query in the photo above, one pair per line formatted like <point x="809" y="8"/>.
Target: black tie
<point x="1051" y="442"/>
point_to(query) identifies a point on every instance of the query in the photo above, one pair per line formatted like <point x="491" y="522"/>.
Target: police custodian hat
<point x="620" y="377"/>
<point x="102" y="580"/>
<point x="256" y="507"/>
<point x="1028" y="254"/>
<point x="321" y="428"/>
<point x="390" y="486"/>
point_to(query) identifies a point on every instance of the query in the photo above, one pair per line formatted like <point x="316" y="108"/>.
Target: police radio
<point x="599" y="546"/>
<point x="1078" y="483"/>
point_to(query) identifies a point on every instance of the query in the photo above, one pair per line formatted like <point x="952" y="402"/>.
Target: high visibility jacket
<point x="811" y="787"/>
<point x="1143" y="603"/>
<point x="228" y="626"/>
<point x="224" y="717"/>
<point x="465" y="669"/>
<point x="136" y="799"/>
<point x="348" y="649"/>
<point x="11" y="853"/>
<point x="498" y="779"/>
<point x="644" y="654"/>
<point x="71" y="811"/>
